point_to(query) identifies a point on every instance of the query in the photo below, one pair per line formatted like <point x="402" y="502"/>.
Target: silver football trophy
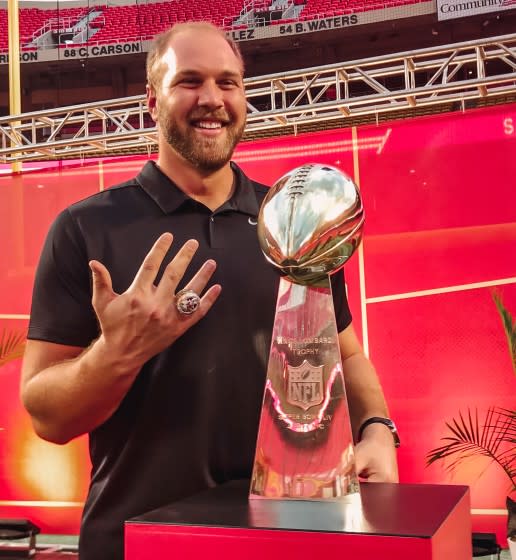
<point x="309" y="224"/>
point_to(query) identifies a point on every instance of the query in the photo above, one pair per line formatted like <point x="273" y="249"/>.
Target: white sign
<point x="449" y="9"/>
<point x="295" y="28"/>
<point x="49" y="55"/>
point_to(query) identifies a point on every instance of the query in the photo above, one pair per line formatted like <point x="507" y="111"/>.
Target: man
<point x="169" y="386"/>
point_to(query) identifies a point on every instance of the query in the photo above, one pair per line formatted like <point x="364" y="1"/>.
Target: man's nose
<point x="210" y="95"/>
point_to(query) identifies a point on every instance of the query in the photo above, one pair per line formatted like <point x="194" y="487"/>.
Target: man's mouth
<point x="208" y="125"/>
<point x="212" y="122"/>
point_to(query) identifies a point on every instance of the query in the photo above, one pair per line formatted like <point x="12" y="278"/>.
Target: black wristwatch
<point x="386" y="422"/>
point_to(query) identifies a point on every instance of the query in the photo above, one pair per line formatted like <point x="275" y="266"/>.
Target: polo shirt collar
<point x="169" y="197"/>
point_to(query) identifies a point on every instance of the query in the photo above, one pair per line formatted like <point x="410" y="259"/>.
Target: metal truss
<point x="440" y="75"/>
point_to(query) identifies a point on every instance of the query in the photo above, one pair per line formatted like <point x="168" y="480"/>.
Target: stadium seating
<point x="33" y="19"/>
<point x="142" y="21"/>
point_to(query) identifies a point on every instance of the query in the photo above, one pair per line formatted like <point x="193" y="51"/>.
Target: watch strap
<point x="380" y="420"/>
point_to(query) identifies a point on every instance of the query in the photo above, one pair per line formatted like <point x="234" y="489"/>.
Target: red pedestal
<point x="395" y="522"/>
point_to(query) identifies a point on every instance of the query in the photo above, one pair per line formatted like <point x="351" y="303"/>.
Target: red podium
<point x="395" y="522"/>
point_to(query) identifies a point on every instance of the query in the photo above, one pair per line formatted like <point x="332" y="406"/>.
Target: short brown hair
<point x="161" y="41"/>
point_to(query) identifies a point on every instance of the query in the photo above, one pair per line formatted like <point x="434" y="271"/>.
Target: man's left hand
<point x="375" y="455"/>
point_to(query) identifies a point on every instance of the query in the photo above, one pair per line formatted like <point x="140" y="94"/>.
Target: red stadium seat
<point x="123" y="23"/>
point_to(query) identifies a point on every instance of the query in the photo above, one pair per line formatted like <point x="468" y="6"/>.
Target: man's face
<point x="200" y="104"/>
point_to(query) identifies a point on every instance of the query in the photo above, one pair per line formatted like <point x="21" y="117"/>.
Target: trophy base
<point x="395" y="522"/>
<point x="352" y="499"/>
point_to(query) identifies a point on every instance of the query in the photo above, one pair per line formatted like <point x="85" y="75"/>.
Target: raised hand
<point x="144" y="320"/>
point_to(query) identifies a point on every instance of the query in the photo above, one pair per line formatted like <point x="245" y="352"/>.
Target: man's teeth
<point x="209" y="124"/>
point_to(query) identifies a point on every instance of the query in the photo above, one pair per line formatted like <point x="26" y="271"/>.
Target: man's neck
<point x="211" y="189"/>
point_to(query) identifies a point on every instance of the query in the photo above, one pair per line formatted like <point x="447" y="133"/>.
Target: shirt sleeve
<point x="340" y="300"/>
<point x="61" y="310"/>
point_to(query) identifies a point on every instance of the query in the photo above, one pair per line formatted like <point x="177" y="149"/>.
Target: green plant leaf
<point x="12" y="346"/>
<point x="509" y="326"/>
<point x="468" y="437"/>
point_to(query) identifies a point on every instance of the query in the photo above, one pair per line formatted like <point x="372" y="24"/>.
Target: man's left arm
<point x="375" y="453"/>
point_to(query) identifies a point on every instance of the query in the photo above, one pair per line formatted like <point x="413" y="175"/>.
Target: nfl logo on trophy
<point x="305" y="385"/>
<point x="310" y="223"/>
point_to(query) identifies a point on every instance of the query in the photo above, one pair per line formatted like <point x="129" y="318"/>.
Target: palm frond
<point x="495" y="438"/>
<point x="12" y="345"/>
<point x="509" y="326"/>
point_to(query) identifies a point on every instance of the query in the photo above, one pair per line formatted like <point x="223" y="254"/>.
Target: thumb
<point x="362" y="463"/>
<point x="102" y="285"/>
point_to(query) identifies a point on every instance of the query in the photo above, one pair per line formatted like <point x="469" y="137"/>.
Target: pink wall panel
<point x="408" y="262"/>
<point x="447" y="171"/>
<point x="28" y="204"/>
<point x="268" y="160"/>
<point x="440" y="354"/>
<point x="440" y="218"/>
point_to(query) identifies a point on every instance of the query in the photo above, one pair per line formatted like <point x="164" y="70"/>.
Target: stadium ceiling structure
<point x="428" y="77"/>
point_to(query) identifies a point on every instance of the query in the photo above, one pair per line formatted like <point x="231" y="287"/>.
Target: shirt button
<point x="212" y="219"/>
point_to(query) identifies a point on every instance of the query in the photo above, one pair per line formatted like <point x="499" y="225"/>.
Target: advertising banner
<point x="449" y="9"/>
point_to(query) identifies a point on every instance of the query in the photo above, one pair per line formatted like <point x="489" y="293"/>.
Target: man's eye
<point x="190" y="81"/>
<point x="227" y="83"/>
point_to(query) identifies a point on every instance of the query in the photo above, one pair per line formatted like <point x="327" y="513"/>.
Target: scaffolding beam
<point x="411" y="80"/>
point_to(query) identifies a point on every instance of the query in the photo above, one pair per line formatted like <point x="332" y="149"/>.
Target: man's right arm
<point x="68" y="390"/>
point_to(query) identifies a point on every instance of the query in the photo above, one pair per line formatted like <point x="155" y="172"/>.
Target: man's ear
<point x="151" y="102"/>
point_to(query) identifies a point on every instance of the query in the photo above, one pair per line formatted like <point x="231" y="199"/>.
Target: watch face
<point x="394" y="431"/>
<point x="393" y="426"/>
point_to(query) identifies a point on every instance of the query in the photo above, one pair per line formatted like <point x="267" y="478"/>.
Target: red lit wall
<point x="440" y="235"/>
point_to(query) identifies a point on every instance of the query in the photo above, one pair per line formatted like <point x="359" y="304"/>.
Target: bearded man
<point x="153" y="307"/>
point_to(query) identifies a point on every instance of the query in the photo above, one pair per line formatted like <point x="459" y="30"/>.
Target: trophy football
<point x="309" y="225"/>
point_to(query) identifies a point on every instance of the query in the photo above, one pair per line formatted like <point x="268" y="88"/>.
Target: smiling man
<point x="153" y="307"/>
<point x="195" y="93"/>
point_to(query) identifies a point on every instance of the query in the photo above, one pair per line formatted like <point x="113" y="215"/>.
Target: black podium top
<point x="411" y="510"/>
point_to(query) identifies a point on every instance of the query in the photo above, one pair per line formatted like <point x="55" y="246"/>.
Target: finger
<point x="151" y="263"/>
<point x="102" y="285"/>
<point x="175" y="270"/>
<point x="202" y="277"/>
<point x="372" y="477"/>
<point x="363" y="472"/>
<point x="361" y="463"/>
<point x="208" y="299"/>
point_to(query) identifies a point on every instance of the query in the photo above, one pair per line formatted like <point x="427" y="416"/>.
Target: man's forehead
<point x="189" y="48"/>
<point x="196" y="51"/>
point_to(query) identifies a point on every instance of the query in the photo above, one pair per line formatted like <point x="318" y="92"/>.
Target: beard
<point x="206" y="154"/>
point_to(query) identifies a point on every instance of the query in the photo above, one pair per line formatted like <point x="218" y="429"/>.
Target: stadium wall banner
<point x="450" y="9"/>
<point x="239" y="35"/>
<point x="78" y="52"/>
<point x="331" y="23"/>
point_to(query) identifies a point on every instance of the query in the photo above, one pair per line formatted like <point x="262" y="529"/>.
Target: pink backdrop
<point x="440" y="235"/>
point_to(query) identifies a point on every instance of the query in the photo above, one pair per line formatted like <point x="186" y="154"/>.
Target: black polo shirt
<point x="190" y="419"/>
